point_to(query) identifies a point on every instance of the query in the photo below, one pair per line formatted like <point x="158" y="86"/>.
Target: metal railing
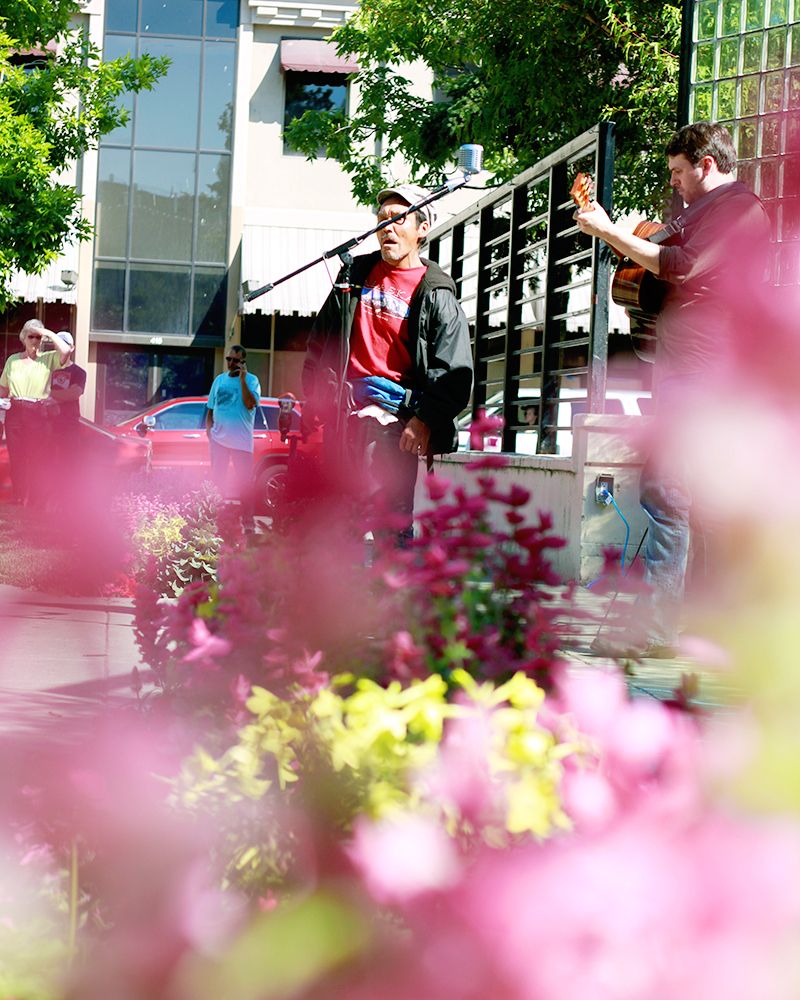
<point x="535" y="292"/>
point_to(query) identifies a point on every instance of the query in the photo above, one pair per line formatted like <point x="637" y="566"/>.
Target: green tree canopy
<point x="52" y="109"/>
<point x="521" y="77"/>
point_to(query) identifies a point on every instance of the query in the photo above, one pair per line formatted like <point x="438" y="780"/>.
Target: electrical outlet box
<point x="603" y="489"/>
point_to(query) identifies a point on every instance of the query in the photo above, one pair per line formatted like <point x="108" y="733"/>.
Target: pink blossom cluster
<point x="475" y="584"/>
<point x="658" y="892"/>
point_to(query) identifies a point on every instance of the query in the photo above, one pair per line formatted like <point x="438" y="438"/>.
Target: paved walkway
<point x="60" y="656"/>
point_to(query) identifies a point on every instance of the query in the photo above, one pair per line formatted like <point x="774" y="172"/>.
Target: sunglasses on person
<point x="33" y="336"/>
<point x="236" y="358"/>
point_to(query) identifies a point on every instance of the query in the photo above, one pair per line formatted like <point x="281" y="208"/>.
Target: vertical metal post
<point x="685" y="64"/>
<point x="520" y="214"/>
<point x="555" y="305"/>
<point x="598" y="329"/>
<point x="482" y="307"/>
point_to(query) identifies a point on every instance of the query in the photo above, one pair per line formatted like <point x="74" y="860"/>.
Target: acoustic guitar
<point x="633" y="287"/>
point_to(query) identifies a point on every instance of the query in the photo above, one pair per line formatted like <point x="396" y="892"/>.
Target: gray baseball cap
<point x="410" y="194"/>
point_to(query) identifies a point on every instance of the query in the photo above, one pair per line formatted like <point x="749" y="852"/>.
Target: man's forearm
<point x="643" y="252"/>
<point x="248" y="398"/>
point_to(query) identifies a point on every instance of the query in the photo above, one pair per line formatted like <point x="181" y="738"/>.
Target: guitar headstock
<point x="581" y="191"/>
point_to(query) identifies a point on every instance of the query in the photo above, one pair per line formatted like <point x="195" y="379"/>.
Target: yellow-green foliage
<point x="371" y="750"/>
<point x="158" y="535"/>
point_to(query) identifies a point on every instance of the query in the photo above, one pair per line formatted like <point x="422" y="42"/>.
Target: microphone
<point x="470" y="158"/>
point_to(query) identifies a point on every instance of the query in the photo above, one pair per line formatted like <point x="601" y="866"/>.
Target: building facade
<point x="198" y="193"/>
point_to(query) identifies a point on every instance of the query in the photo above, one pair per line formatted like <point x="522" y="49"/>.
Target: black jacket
<point x="438" y="343"/>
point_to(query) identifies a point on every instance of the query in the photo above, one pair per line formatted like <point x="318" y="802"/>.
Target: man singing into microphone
<point x="407" y="361"/>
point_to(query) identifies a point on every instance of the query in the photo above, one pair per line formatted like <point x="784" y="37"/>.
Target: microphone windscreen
<point x="470" y="158"/>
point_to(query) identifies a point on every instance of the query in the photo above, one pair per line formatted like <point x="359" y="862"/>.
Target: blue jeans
<point x="666" y="500"/>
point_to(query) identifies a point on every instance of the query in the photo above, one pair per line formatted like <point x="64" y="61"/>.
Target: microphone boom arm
<point x="343" y="248"/>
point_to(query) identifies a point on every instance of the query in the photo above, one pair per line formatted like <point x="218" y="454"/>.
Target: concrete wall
<point x="565" y="488"/>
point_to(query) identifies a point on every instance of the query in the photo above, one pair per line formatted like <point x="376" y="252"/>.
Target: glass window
<point x="109" y="296"/>
<point x="773" y="91"/>
<point x="729" y="57"/>
<point x="121" y="15"/>
<point x="778" y="11"/>
<point x="314" y="92"/>
<point x="167" y="115"/>
<point x="115" y="47"/>
<point x="181" y="417"/>
<point x="706" y="18"/>
<point x="731" y="15"/>
<point x="210" y="301"/>
<point x="271" y="413"/>
<point x="125" y="380"/>
<point x="163" y="205"/>
<point x="754" y="14"/>
<point x="753" y="45"/>
<point x="776" y="48"/>
<point x="726" y="99"/>
<point x="704" y="62"/>
<point x="172" y="17"/>
<point x="702" y="103"/>
<point x="748" y="97"/>
<point x="113" y="191"/>
<point x="212" y="211"/>
<point x="222" y="18"/>
<point x="216" y="116"/>
<point x="185" y="374"/>
<point x="159" y="299"/>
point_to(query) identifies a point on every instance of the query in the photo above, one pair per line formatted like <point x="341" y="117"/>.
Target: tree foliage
<point x="52" y="110"/>
<point x="520" y="78"/>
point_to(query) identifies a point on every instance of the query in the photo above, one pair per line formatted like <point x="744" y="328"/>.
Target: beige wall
<point x="565" y="488"/>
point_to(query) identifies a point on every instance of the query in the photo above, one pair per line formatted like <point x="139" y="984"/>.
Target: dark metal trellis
<point x="535" y="290"/>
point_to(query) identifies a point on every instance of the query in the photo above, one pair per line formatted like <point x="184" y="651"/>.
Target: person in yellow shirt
<point x="25" y="381"/>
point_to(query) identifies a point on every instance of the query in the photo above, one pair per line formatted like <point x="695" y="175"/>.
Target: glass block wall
<point x="745" y="73"/>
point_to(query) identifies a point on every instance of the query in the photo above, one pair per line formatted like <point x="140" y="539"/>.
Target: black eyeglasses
<point x="235" y="359"/>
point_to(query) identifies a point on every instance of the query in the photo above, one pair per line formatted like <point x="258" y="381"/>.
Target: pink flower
<point x="206" y="644"/>
<point x="437" y="487"/>
<point x="482" y="426"/>
<point x="404" y="857"/>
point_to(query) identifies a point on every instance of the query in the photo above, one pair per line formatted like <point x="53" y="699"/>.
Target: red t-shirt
<point x="379" y="338"/>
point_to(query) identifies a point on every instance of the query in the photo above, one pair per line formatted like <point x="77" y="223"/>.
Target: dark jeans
<point x="242" y="464"/>
<point x="27" y="438"/>
<point x="388" y="476"/>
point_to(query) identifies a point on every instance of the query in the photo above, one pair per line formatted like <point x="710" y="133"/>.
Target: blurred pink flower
<point x="206" y="645"/>
<point x="481" y="426"/>
<point x="402" y="857"/>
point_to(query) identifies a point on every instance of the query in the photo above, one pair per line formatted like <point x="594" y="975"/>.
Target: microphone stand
<point x="343" y="286"/>
<point x="354" y="241"/>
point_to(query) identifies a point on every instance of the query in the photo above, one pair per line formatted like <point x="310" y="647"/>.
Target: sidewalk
<point x="61" y="656"/>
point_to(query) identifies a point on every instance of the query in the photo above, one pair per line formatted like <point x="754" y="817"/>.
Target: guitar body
<point x="634" y="287"/>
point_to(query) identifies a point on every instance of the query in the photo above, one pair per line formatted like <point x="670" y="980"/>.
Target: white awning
<point x="270" y="252"/>
<point x="49" y="286"/>
<point x="309" y="55"/>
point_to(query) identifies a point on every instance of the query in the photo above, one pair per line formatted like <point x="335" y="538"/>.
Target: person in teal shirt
<point x="230" y="419"/>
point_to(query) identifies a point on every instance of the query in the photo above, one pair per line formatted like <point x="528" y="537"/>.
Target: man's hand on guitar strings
<point x="594" y="220"/>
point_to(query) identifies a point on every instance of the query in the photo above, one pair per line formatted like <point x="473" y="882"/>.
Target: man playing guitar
<point x="712" y="266"/>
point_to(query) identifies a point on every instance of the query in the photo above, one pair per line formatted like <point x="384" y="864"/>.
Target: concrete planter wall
<point x="565" y="487"/>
